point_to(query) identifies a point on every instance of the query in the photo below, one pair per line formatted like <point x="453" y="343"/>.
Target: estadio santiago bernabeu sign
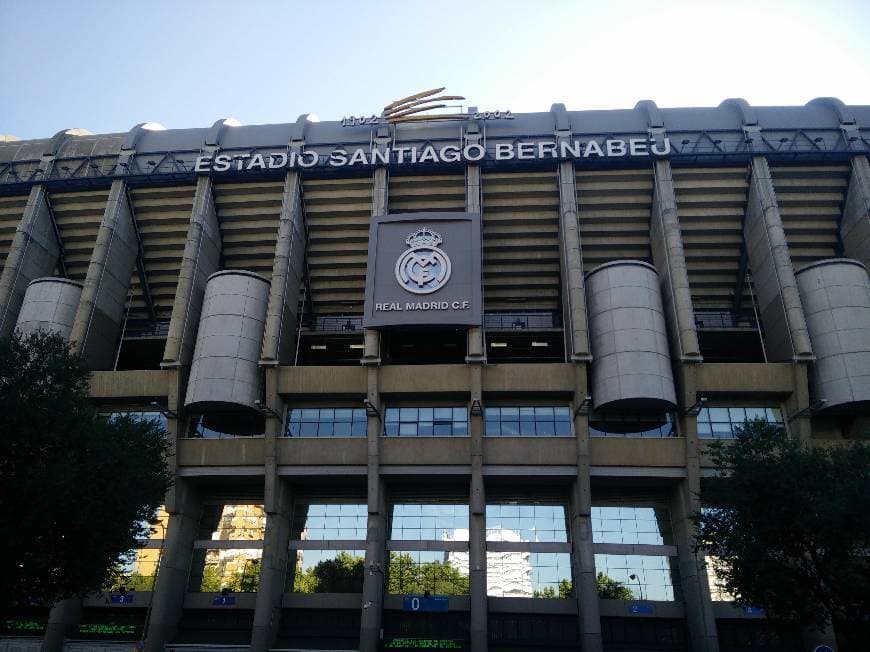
<point x="423" y="270"/>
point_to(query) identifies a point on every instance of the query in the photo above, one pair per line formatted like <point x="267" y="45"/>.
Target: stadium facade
<point x="446" y="384"/>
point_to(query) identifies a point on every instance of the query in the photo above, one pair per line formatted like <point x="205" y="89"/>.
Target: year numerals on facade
<point x="355" y="121"/>
<point x="494" y="115"/>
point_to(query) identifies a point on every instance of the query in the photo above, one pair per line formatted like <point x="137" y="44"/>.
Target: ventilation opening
<point x="222" y="626"/>
<point x="424" y="347"/>
<point x="726" y="336"/>
<point x="336" y="629"/>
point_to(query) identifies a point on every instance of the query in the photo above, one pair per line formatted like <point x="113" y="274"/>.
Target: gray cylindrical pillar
<point x="225" y="371"/>
<point x="631" y="365"/>
<point x="836" y="299"/>
<point x="49" y="304"/>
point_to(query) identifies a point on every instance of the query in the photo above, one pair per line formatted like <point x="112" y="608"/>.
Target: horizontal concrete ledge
<point x="531" y="605"/>
<point x="452" y="379"/>
<point x="638" y="451"/>
<point x="221" y="452"/>
<point x="430" y="546"/>
<point x="549" y="379"/>
<point x="526" y="546"/>
<point x="460" y="470"/>
<point x="633" y="549"/>
<point x="306" y="451"/>
<point x="425" y="450"/>
<point x="152" y="383"/>
<point x="327" y="544"/>
<point x="773" y="378"/>
<point x="204" y="601"/>
<point x="322" y="600"/>
<point x="529" y="450"/>
<point x="636" y="472"/>
<point x="308" y="471"/>
<point x="227" y="544"/>
<point x="217" y="472"/>
<point x="620" y="608"/>
<point x="454" y="602"/>
<point x="312" y="381"/>
<point x="140" y="599"/>
<point x="731" y="610"/>
<point x="565" y="471"/>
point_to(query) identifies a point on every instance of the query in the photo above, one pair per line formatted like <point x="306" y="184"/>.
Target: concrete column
<point x="64" y="616"/>
<point x="273" y="568"/>
<point x="670" y="261"/>
<point x="376" y="536"/>
<point x="100" y="314"/>
<point x="772" y="272"/>
<point x="573" y="285"/>
<point x="167" y="600"/>
<point x="287" y="272"/>
<point x="34" y="253"/>
<point x="202" y="253"/>
<point x="855" y="225"/>
<point x="585" y="585"/>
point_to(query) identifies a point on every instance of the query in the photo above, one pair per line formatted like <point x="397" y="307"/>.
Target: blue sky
<point x="106" y="65"/>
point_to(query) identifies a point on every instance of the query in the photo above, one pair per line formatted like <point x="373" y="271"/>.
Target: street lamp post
<point x="639" y="585"/>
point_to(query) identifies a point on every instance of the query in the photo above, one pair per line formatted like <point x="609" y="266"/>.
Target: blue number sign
<point x="422" y="603"/>
<point x="122" y="598"/>
<point x="224" y="600"/>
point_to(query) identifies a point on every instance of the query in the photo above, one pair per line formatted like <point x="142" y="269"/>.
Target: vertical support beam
<point x="64" y="616"/>
<point x="670" y="261"/>
<point x="167" y="600"/>
<point x="273" y="568"/>
<point x="585" y="584"/>
<point x="772" y="271"/>
<point x="101" y="310"/>
<point x="376" y="536"/>
<point x="34" y="254"/>
<point x="201" y="258"/>
<point x="855" y="225"/>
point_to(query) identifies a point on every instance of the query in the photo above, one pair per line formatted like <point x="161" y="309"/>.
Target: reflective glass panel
<point x="418" y="571"/>
<point x="426" y="422"/>
<point x="326" y="422"/>
<point x="433" y="522"/>
<point x="157" y="417"/>
<point x="632" y="525"/>
<point x="528" y="574"/>
<point x="236" y="569"/>
<point x="232" y="522"/>
<point x="717" y="589"/>
<point x="648" y="577"/>
<point x="549" y="421"/>
<point x="536" y="523"/>
<point x="628" y="424"/>
<point x="327" y="571"/>
<point x="726" y="422"/>
<point x="319" y="521"/>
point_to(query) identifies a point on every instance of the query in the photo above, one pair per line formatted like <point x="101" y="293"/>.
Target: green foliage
<point x="565" y="590"/>
<point x="343" y="574"/>
<point x="75" y="488"/>
<point x="788" y="525"/>
<point x="406" y="577"/>
<point x="610" y="589"/>
<point x="246" y="580"/>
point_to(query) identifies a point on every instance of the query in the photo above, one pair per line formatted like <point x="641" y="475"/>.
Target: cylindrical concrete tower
<point x="631" y="365"/>
<point x="49" y="304"/>
<point x="225" y="371"/>
<point x="836" y="299"/>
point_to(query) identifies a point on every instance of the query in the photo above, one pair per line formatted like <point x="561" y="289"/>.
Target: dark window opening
<point x="525" y="346"/>
<point x="220" y="625"/>
<point x="424" y="347"/>
<point x="327" y="349"/>
<point x="632" y="424"/>
<point x="112" y="624"/>
<point x="726" y="336"/>
<point x="226" y="425"/>
<point x="752" y="635"/>
<point x="431" y="630"/>
<point x="142" y="345"/>
<point x="532" y="632"/>
<point x="319" y="629"/>
<point x="643" y="634"/>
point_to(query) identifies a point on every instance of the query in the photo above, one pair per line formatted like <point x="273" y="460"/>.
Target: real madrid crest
<point x="424" y="268"/>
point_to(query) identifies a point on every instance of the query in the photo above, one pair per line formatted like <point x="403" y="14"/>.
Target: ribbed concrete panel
<point x="225" y="371"/>
<point x="248" y="215"/>
<point x="106" y="288"/>
<point x="78" y="216"/>
<point x="631" y="365"/>
<point x="443" y="192"/>
<point x="337" y="213"/>
<point x="772" y="273"/>
<point x="11" y="212"/>
<point x="49" y="304"/>
<point x="614" y="213"/>
<point x="810" y="199"/>
<point x="34" y="254"/>
<point x="712" y="204"/>
<point x="855" y="226"/>
<point x="836" y="298"/>
<point x="162" y="215"/>
<point x="521" y="268"/>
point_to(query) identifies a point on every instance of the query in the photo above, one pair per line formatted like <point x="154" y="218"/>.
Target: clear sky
<point x="106" y="65"/>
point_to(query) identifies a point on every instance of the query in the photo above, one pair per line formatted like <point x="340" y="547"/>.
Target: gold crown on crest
<point x="424" y="237"/>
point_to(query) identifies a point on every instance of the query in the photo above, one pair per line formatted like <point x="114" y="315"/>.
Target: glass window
<point x="417" y="571"/>
<point x="631" y="424"/>
<point x="319" y="522"/>
<point x="437" y="522"/>
<point x="632" y="525"/>
<point x="327" y="571"/>
<point x="538" y="421"/>
<point x="529" y="522"/>
<point x="326" y="422"/>
<point x="157" y="417"/>
<point x="523" y="574"/>
<point x="232" y="523"/>
<point x="726" y="422"/>
<point x="235" y="569"/>
<point x="426" y="422"/>
<point x="225" y="425"/>
<point x="648" y="577"/>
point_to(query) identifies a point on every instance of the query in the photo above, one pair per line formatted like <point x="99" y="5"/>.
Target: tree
<point x="788" y="525"/>
<point x="610" y="589"/>
<point x="76" y="488"/>
<point x="407" y="577"/>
